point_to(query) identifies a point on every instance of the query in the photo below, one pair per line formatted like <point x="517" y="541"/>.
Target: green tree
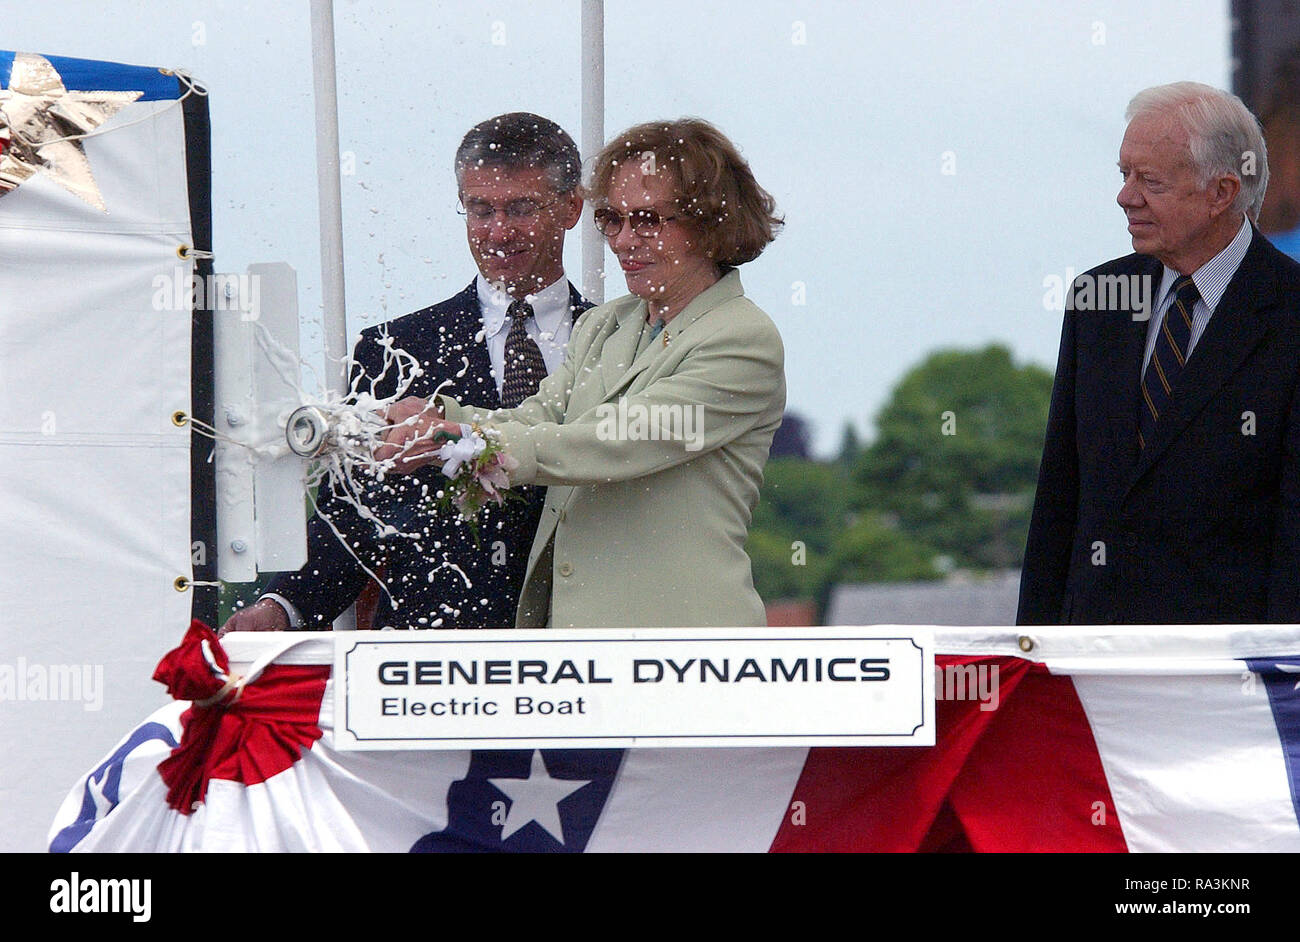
<point x="871" y="550"/>
<point x="805" y="537"/>
<point x="850" y="446"/>
<point x="802" y="506"/>
<point x="955" y="461"/>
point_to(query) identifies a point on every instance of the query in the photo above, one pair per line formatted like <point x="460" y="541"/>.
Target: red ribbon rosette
<point x="236" y="731"/>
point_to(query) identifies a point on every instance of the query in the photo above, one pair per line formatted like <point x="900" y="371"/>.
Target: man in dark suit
<point x="517" y="176"/>
<point x="1169" y="490"/>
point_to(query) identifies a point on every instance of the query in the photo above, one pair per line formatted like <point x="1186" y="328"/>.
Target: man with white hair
<point x="1169" y="490"/>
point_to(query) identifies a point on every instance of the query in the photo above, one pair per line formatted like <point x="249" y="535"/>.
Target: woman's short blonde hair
<point x="736" y="217"/>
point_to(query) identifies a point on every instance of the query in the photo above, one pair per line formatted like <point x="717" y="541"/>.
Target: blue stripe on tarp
<point x="91" y="75"/>
<point x="1281" y="678"/>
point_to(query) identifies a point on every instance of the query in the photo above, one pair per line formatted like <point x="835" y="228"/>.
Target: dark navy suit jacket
<point x="1203" y="525"/>
<point x="423" y="576"/>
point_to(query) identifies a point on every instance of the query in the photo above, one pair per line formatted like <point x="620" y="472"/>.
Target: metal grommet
<point x="1026" y="643"/>
<point x="306" y="431"/>
<point x="183" y="251"/>
<point x="166" y="71"/>
<point x="180" y="419"/>
<point x="181" y="584"/>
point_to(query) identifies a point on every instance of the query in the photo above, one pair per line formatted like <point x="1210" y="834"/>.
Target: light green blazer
<point x="653" y="453"/>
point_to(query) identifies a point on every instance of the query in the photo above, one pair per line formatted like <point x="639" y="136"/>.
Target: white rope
<point x="208" y="431"/>
<point x="229" y="681"/>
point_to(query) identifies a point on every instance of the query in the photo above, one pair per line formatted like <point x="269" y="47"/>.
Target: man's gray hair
<point x="1223" y="136"/>
<point x="518" y="141"/>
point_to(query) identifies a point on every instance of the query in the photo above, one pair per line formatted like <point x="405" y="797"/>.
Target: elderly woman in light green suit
<point x="652" y="436"/>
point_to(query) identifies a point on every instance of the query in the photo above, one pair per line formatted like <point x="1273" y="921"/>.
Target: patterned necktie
<point x="1167" y="358"/>
<point x="524" y="368"/>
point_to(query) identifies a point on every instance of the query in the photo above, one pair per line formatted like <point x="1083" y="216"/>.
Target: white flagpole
<point x="593" y="138"/>
<point x="330" y="199"/>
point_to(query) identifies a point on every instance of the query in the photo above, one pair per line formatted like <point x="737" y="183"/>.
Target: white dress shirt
<point x="550" y="325"/>
<point x="1211" y="280"/>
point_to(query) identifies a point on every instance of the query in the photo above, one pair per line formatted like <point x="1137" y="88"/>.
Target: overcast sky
<point x="935" y="160"/>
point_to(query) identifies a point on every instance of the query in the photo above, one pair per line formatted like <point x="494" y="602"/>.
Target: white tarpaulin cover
<point x="94" y="474"/>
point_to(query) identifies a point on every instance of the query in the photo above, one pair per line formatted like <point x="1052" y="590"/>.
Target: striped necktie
<point x="525" y="367"/>
<point x="1167" y="358"/>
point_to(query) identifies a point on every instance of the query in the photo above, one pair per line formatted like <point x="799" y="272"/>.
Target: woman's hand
<point x="412" y="439"/>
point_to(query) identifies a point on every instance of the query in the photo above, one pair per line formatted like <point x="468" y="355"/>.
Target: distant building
<point x="960" y="600"/>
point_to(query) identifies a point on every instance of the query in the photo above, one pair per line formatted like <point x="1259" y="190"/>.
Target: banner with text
<point x="620" y="688"/>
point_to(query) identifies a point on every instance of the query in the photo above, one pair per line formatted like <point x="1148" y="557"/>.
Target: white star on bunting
<point x="536" y="798"/>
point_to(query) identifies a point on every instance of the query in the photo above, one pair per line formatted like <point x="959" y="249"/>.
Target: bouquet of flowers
<point x="478" y="472"/>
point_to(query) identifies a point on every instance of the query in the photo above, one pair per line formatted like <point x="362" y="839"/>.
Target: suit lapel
<point x="577" y="303"/>
<point x="1232" y="333"/>
<point x="1122" y="344"/>
<point x="462" y="341"/>
<point x="640" y="363"/>
<point x="618" y="358"/>
<point x="629" y="332"/>
<point x="557" y="496"/>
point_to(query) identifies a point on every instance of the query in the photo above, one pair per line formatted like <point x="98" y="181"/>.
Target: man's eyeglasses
<point x="645" y="222"/>
<point x="520" y="210"/>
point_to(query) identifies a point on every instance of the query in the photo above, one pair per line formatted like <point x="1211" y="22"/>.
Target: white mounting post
<point x="261" y="505"/>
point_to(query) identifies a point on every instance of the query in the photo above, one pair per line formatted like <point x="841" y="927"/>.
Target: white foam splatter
<point x="356" y="424"/>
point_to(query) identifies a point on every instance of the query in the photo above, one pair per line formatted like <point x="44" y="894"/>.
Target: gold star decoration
<point x="38" y="115"/>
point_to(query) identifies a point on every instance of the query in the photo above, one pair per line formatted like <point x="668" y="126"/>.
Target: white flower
<point x="460" y="452"/>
